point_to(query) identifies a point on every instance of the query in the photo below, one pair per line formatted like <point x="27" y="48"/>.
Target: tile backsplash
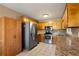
<point x="74" y="31"/>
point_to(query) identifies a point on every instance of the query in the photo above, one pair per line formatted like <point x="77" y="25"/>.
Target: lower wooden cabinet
<point x="40" y="37"/>
<point x="10" y="36"/>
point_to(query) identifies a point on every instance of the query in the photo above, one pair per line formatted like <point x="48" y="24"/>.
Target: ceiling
<point x="36" y="10"/>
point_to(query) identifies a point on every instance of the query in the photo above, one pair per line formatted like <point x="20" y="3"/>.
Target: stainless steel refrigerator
<point x="30" y="35"/>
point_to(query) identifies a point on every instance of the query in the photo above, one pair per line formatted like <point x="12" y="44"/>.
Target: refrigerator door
<point x="33" y="33"/>
<point x="26" y="35"/>
<point x="30" y="36"/>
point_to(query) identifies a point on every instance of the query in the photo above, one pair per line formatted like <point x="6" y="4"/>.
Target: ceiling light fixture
<point x="45" y="15"/>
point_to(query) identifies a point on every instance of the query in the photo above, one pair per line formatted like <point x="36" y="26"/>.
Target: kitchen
<point x="60" y="19"/>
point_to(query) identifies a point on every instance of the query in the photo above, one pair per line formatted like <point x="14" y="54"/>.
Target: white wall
<point x="4" y="11"/>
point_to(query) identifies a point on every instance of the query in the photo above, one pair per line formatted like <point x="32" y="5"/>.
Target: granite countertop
<point x="62" y="48"/>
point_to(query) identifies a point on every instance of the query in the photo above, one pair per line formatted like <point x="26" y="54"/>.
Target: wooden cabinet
<point x="64" y="19"/>
<point x="73" y="14"/>
<point x="18" y="36"/>
<point x="56" y="24"/>
<point x="41" y="25"/>
<point x="10" y="36"/>
<point x="40" y="37"/>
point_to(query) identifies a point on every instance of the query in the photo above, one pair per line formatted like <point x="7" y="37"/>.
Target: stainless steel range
<point x="48" y="34"/>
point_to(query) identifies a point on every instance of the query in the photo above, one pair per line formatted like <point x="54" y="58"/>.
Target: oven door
<point x="48" y="39"/>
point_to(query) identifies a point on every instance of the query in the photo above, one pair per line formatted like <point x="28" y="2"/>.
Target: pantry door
<point x="10" y="36"/>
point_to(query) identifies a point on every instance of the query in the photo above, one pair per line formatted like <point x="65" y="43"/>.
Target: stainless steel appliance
<point x="48" y="34"/>
<point x="30" y="35"/>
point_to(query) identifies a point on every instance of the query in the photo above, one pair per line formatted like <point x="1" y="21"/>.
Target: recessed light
<point x="45" y="15"/>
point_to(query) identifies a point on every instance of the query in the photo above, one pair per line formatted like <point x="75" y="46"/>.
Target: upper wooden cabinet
<point x="56" y="24"/>
<point x="41" y="25"/>
<point x="64" y="19"/>
<point x="73" y="14"/>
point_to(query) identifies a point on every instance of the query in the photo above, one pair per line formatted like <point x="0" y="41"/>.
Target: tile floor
<point x="42" y="49"/>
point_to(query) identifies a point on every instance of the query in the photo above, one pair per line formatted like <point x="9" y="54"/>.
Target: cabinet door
<point x="18" y="40"/>
<point x="40" y="38"/>
<point x="41" y="25"/>
<point x="1" y="35"/>
<point x="73" y="15"/>
<point x="10" y="36"/>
